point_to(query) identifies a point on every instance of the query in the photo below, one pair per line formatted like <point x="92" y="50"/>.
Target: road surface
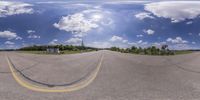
<point x="119" y="77"/>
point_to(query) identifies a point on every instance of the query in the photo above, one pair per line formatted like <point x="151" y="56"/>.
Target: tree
<point x="164" y="47"/>
<point x="153" y="50"/>
<point x="133" y="49"/>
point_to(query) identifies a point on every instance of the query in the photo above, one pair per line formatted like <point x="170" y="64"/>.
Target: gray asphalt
<point x="121" y="77"/>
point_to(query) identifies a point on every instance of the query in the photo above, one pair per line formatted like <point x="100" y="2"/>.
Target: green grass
<point x="182" y="52"/>
<point x="74" y="52"/>
<point x="177" y="52"/>
<point x="33" y="52"/>
<point x="62" y="52"/>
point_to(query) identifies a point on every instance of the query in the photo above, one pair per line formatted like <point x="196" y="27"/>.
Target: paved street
<point x="119" y="77"/>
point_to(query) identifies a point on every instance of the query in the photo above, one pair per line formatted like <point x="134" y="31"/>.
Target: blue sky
<point x="100" y="23"/>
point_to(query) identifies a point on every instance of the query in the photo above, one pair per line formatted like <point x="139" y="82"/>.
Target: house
<point x="53" y="50"/>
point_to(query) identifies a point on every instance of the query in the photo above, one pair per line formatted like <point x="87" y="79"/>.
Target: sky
<point x="100" y="24"/>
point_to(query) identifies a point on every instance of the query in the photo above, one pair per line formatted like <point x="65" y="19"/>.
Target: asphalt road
<point x="120" y="77"/>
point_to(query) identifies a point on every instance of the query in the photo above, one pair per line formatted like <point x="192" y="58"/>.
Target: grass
<point x="62" y="52"/>
<point x="179" y="52"/>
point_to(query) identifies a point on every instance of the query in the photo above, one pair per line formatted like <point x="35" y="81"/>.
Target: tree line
<point x="153" y="50"/>
<point x="61" y="47"/>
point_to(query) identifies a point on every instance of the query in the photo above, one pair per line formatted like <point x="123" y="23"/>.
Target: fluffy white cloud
<point x="9" y="35"/>
<point x="116" y="38"/>
<point x="18" y="38"/>
<point x="181" y="47"/>
<point x="139" y="35"/>
<point x="177" y="40"/>
<point x="32" y="36"/>
<point x="149" y="31"/>
<point x="125" y="41"/>
<point x="30" y="31"/>
<point x="8" y="8"/>
<point x="53" y="42"/>
<point x="158" y="44"/>
<point x="76" y="23"/>
<point x="144" y="15"/>
<point x="100" y="44"/>
<point x="9" y="43"/>
<point x="139" y="43"/>
<point x="175" y="10"/>
<point x="74" y="41"/>
<point x="126" y="2"/>
<point x="190" y="22"/>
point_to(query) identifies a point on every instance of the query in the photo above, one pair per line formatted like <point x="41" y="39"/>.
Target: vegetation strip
<point x="153" y="50"/>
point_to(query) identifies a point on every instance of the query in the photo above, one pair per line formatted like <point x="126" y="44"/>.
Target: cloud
<point x="113" y="41"/>
<point x="159" y="44"/>
<point x="74" y="41"/>
<point x="144" y="15"/>
<point x="140" y="41"/>
<point x="177" y="40"/>
<point x="51" y="2"/>
<point x="30" y="31"/>
<point x="189" y="33"/>
<point x="32" y="36"/>
<point x="193" y="42"/>
<point x="126" y="2"/>
<point x="139" y="35"/>
<point x="175" y="10"/>
<point x="181" y="47"/>
<point x="125" y="41"/>
<point x="9" y="35"/>
<point x="107" y="22"/>
<point x="18" y="38"/>
<point x="100" y="44"/>
<point x="53" y="42"/>
<point x="77" y="24"/>
<point x="188" y="23"/>
<point x="118" y="39"/>
<point x="149" y="31"/>
<point x="9" y="43"/>
<point x="8" y="8"/>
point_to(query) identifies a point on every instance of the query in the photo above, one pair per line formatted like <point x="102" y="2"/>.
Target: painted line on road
<point x="70" y="88"/>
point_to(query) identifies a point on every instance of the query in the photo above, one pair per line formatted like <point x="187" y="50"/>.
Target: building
<point x="53" y="50"/>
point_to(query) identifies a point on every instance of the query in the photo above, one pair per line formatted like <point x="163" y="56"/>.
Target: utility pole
<point x="82" y="45"/>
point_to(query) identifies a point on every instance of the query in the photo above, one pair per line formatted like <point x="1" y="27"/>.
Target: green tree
<point x="133" y="49"/>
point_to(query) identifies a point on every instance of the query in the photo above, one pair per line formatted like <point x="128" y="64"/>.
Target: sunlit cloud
<point x="74" y="41"/>
<point x="9" y="35"/>
<point x="53" y="42"/>
<point x="9" y="43"/>
<point x="177" y="40"/>
<point x="8" y="8"/>
<point x="149" y="31"/>
<point x="77" y="24"/>
<point x="144" y="15"/>
<point x="175" y="10"/>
